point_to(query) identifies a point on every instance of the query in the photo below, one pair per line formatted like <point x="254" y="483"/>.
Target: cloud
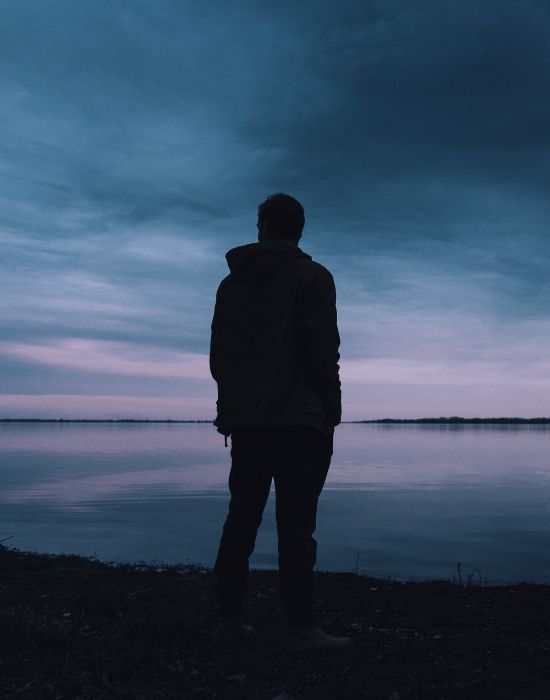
<point x="138" y="140"/>
<point x="104" y="357"/>
<point x="106" y="406"/>
<point x="177" y="250"/>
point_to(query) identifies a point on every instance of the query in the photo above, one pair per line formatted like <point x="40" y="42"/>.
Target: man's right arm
<point x="213" y="341"/>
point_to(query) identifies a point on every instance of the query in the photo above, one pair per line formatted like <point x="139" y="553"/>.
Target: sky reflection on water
<point x="407" y="501"/>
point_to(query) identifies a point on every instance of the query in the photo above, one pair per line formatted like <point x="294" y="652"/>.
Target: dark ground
<point x="77" y="628"/>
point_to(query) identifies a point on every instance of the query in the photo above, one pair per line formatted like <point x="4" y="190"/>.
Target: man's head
<point x="280" y="217"/>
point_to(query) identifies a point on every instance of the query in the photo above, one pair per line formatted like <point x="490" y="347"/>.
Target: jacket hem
<point x="225" y="428"/>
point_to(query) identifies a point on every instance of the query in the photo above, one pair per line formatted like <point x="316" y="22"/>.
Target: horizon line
<point x="440" y="419"/>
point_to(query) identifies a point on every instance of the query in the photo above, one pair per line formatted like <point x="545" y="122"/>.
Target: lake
<point x="404" y="501"/>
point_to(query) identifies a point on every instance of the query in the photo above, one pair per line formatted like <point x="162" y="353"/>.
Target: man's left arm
<point x="322" y="343"/>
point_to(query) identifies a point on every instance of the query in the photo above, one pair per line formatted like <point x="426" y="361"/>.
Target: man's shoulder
<point x="225" y="281"/>
<point x="304" y="268"/>
<point x="320" y="269"/>
<point x="315" y="270"/>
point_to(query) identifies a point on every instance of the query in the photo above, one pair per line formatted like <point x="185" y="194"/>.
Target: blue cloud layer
<point x="138" y="139"/>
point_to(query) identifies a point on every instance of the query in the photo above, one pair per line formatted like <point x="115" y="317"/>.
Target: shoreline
<point x="74" y="627"/>
<point x="453" y="420"/>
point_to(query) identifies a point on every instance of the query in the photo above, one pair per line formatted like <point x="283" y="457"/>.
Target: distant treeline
<point x="443" y="420"/>
<point x="96" y="420"/>
<point x="456" y="419"/>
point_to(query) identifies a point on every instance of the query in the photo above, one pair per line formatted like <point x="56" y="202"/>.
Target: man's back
<point x="274" y="350"/>
<point x="274" y="355"/>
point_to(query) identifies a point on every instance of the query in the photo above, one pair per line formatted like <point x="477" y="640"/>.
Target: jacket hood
<point x="257" y="262"/>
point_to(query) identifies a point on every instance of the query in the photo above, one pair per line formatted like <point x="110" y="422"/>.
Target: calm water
<point x="407" y="501"/>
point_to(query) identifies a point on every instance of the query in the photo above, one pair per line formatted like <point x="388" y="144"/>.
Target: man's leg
<point x="249" y="483"/>
<point x="303" y="461"/>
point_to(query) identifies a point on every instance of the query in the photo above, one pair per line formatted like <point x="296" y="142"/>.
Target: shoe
<point x="233" y="630"/>
<point x="312" y="638"/>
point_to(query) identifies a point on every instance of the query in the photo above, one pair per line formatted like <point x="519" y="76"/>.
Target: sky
<point x="139" y="137"/>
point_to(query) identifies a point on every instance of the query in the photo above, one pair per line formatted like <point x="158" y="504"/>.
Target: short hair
<point x="283" y="217"/>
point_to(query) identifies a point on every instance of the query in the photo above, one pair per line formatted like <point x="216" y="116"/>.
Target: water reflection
<point x="400" y="500"/>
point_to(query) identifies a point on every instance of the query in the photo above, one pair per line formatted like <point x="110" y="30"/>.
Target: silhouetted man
<point x="274" y="356"/>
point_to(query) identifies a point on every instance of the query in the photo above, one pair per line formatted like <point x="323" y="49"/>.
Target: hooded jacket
<point x="274" y="345"/>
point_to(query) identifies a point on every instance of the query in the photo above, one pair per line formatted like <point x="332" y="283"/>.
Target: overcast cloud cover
<point x="139" y="137"/>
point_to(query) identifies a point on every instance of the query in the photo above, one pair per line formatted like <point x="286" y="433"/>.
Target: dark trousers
<point x="297" y="458"/>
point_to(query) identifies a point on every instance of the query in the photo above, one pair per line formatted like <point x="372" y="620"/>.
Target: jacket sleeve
<point x="213" y="342"/>
<point x="322" y="341"/>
